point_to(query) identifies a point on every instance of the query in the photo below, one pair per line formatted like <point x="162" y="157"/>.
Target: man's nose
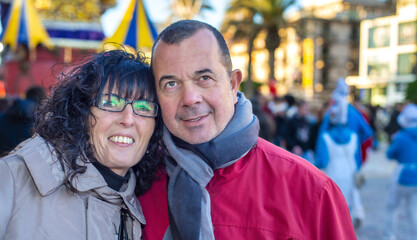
<point x="191" y="95"/>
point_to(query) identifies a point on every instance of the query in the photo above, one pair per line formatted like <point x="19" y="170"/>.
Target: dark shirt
<point x="298" y="133"/>
<point x="113" y="180"/>
<point x="16" y="124"/>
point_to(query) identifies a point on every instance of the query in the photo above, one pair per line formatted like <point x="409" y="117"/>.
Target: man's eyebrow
<point x="165" y="78"/>
<point x="172" y="77"/>
<point x="202" y="71"/>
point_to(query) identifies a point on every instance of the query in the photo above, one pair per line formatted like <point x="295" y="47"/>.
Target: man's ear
<point x="235" y="80"/>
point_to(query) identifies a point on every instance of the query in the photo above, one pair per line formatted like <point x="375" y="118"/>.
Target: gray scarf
<point x="191" y="167"/>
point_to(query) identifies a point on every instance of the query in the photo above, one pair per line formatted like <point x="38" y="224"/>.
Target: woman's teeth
<point x="120" y="139"/>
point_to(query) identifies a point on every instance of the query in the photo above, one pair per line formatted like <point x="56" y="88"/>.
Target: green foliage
<point x="411" y="93"/>
<point x="244" y="84"/>
<point x="245" y="19"/>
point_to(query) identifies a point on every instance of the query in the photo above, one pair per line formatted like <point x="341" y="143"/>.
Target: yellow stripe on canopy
<point x="36" y="31"/>
<point x="120" y="33"/>
<point x="145" y="39"/>
<point x="12" y="28"/>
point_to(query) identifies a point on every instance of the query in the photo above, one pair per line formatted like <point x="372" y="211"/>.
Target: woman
<point x="94" y="142"/>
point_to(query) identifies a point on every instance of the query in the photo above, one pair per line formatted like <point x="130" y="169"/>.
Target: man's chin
<point x="195" y="138"/>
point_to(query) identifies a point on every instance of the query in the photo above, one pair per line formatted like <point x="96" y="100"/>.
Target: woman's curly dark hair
<point x="63" y="120"/>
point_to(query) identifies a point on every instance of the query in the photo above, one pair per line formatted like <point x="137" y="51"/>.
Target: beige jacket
<point x="36" y="204"/>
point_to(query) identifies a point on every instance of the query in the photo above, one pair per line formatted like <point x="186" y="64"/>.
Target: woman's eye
<point x="143" y="107"/>
<point x="108" y="103"/>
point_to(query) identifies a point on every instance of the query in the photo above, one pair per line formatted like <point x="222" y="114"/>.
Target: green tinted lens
<point x="144" y="108"/>
<point x="112" y="102"/>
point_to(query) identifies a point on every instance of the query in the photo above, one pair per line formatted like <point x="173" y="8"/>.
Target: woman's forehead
<point x="137" y="92"/>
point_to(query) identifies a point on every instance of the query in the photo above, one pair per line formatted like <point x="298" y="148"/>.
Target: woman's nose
<point x="127" y="116"/>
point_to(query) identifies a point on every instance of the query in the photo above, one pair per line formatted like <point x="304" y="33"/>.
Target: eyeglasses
<point x="114" y="103"/>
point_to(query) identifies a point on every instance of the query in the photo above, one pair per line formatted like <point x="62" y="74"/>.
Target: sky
<point x="158" y="11"/>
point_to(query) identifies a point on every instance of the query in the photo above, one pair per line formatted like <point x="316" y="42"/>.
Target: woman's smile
<point x="121" y="139"/>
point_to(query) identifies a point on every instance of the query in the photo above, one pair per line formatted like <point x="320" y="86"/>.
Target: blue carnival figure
<point x="355" y="121"/>
<point x="336" y="152"/>
<point x="404" y="179"/>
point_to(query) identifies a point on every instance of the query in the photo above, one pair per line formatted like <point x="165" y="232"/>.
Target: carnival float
<point x="39" y="36"/>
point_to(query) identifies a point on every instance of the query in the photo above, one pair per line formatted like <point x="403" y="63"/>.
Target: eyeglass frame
<point x="126" y="103"/>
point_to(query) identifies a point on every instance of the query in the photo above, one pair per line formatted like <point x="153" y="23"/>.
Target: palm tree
<point x="245" y="19"/>
<point x="187" y="9"/>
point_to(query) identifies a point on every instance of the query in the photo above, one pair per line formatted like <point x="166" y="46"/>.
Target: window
<point x="407" y="64"/>
<point x="401" y="87"/>
<point x="407" y="33"/>
<point x="379" y="36"/>
<point x="378" y="67"/>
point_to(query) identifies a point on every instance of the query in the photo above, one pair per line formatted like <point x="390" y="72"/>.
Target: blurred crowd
<point x="336" y="138"/>
<point x="17" y="117"/>
<point x="293" y="123"/>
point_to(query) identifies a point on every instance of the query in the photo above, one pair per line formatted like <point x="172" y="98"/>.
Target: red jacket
<point x="268" y="194"/>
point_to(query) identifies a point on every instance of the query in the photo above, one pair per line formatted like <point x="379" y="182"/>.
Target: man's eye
<point x="171" y="84"/>
<point x="204" y="78"/>
<point x="205" y="81"/>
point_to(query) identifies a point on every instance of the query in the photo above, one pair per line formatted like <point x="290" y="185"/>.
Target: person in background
<point x="221" y="180"/>
<point x="355" y="121"/>
<point x="266" y="121"/>
<point x="35" y="94"/>
<point x="316" y="114"/>
<point x="372" y="109"/>
<point x="291" y="106"/>
<point x="97" y="144"/>
<point x="17" y="122"/>
<point x="336" y="151"/>
<point x="297" y="133"/>
<point x="392" y="127"/>
<point x="368" y="144"/>
<point x="278" y="108"/>
<point x="403" y="185"/>
<point x="4" y="104"/>
<point x="381" y="121"/>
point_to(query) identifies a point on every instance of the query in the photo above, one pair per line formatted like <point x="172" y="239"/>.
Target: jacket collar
<point x="47" y="171"/>
<point x="43" y="166"/>
<point x="92" y="180"/>
<point x="48" y="175"/>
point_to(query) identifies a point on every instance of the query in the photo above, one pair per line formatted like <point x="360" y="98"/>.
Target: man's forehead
<point x="206" y="37"/>
<point x="198" y="52"/>
<point x="174" y="54"/>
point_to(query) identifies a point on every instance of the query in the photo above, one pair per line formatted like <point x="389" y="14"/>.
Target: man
<point x="221" y="180"/>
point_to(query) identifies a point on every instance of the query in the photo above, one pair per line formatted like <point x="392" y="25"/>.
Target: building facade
<point x="388" y="56"/>
<point x="329" y="36"/>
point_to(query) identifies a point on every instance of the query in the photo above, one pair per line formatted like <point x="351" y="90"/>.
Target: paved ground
<point x="377" y="171"/>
